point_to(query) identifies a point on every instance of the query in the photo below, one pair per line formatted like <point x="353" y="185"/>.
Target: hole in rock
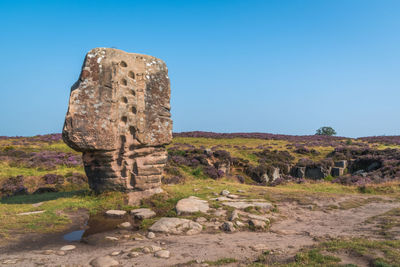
<point x="124" y="82"/>
<point x="134" y="110"/>
<point x="125" y="100"/>
<point x="123" y="64"/>
<point x="124" y="119"/>
<point x="131" y="75"/>
<point x="132" y="130"/>
<point x="133" y="92"/>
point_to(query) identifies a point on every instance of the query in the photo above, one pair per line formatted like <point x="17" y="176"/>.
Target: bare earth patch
<point x="295" y="226"/>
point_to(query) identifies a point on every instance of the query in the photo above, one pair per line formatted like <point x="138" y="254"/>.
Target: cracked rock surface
<point x="119" y="118"/>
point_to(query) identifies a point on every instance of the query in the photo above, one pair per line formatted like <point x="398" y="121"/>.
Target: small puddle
<point x="99" y="223"/>
<point x="74" y="236"/>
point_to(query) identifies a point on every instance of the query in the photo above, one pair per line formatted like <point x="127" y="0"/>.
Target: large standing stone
<point x="119" y="117"/>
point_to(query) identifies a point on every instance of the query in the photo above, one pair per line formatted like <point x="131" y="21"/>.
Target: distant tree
<point x="329" y="131"/>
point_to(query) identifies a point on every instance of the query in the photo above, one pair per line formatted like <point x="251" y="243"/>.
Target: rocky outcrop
<point x="317" y="173"/>
<point x="337" y="171"/>
<point x="119" y="117"/>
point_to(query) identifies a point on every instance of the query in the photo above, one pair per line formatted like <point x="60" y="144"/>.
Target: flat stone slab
<point x="143" y="213"/>
<point x="116" y="213"/>
<point x="31" y="212"/>
<point x="254" y="216"/>
<point x="242" y="205"/>
<point x="191" y="205"/>
<point x="105" y="261"/>
<point x="176" y="226"/>
<point x="68" y="247"/>
<point x="164" y="254"/>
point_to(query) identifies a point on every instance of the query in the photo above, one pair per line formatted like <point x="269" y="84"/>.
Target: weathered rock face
<point x="119" y="117"/>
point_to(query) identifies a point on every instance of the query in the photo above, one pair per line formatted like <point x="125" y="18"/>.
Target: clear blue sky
<point x="235" y="66"/>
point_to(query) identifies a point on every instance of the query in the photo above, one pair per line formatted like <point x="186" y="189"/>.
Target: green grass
<point x="220" y="262"/>
<point x="57" y="206"/>
<point x="376" y="252"/>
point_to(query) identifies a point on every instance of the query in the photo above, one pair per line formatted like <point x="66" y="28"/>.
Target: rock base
<point x="135" y="197"/>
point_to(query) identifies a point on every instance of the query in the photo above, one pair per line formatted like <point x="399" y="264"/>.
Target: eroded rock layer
<point x="119" y="117"/>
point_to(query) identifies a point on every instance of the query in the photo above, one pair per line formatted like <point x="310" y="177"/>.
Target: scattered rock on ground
<point x="225" y="192"/>
<point x="116" y="213"/>
<point x="143" y="213"/>
<point x="242" y="205"/>
<point x="228" y="227"/>
<point x="13" y="261"/>
<point x="201" y="220"/>
<point x="176" y="226"/>
<point x="68" y="247"/>
<point x="115" y="253"/>
<point x="111" y="238"/>
<point x="257" y="224"/>
<point x="223" y="199"/>
<point x="155" y="248"/>
<point x="146" y="250"/>
<point x="240" y="224"/>
<point x="151" y="235"/>
<point x="255" y="216"/>
<point x="220" y="212"/>
<point x="234" y="215"/>
<point x="48" y="252"/>
<point x="191" y="205"/>
<point x="125" y="225"/>
<point x="259" y="247"/>
<point x="232" y="196"/>
<point x="164" y="254"/>
<point x="133" y="254"/>
<point x="104" y="261"/>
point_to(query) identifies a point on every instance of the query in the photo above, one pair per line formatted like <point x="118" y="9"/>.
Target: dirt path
<point x="295" y="227"/>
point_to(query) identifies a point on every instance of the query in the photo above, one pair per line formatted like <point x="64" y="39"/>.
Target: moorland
<point x="332" y="201"/>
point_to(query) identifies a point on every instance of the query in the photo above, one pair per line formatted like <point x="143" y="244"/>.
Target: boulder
<point x="116" y="213"/>
<point x="151" y="235"/>
<point x="125" y="225"/>
<point x="341" y="164"/>
<point x="298" y="172"/>
<point x="176" y="226"/>
<point x="336" y="171"/>
<point x="143" y="213"/>
<point x="317" y="173"/>
<point x="228" y="227"/>
<point x="191" y="205"/>
<point x="68" y="247"/>
<point x="105" y="261"/>
<point x="164" y="254"/>
<point x="257" y="224"/>
<point x="225" y="192"/>
<point x="119" y="118"/>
